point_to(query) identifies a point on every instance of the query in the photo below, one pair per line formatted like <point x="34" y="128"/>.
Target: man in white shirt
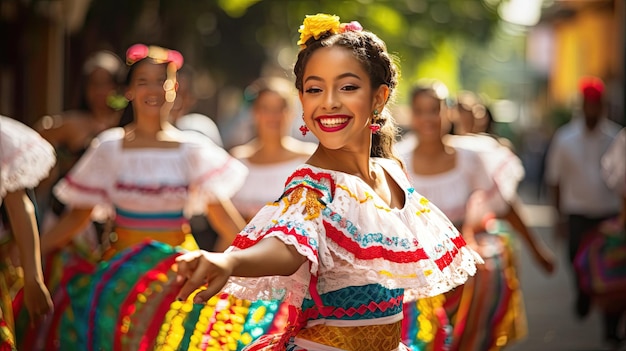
<point x="574" y="174"/>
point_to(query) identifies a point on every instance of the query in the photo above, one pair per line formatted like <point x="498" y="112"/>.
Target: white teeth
<point x="152" y="101"/>
<point x="331" y="122"/>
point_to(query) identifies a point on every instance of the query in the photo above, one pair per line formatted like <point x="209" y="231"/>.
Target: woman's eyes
<point x="142" y="82"/>
<point x="348" y="87"/>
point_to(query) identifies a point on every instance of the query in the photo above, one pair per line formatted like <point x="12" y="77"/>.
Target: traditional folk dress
<point x="487" y="313"/>
<point x="123" y="302"/>
<point x="364" y="260"/>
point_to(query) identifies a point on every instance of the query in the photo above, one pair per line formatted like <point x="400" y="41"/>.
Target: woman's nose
<point x="331" y="100"/>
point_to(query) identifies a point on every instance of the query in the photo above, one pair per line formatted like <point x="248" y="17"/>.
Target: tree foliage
<point x="235" y="38"/>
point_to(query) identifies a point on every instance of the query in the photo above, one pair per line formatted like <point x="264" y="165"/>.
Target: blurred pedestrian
<point x="600" y="261"/>
<point x="574" y="175"/>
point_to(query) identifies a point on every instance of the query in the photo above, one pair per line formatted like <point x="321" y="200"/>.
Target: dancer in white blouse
<point x="273" y="154"/>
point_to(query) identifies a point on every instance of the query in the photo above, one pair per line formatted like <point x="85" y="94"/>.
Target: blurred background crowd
<point x="523" y="57"/>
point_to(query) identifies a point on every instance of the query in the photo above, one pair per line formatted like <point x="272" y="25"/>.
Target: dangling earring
<point x="303" y="128"/>
<point x="375" y="127"/>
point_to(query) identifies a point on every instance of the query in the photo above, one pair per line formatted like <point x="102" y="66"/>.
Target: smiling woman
<point x="148" y="178"/>
<point x="349" y="239"/>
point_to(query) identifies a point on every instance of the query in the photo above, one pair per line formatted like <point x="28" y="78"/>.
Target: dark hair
<point x="425" y="90"/>
<point x="277" y="85"/>
<point x="102" y="59"/>
<point x="371" y="51"/>
<point x="132" y="68"/>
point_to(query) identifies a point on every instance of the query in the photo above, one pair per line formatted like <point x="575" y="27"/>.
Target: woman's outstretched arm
<point x="268" y="257"/>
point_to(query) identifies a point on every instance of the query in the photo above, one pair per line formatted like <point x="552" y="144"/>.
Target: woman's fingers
<point x="186" y="264"/>
<point x="197" y="269"/>
<point x="213" y="288"/>
<point x="197" y="279"/>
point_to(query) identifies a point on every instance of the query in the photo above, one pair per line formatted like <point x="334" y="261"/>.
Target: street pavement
<point x="552" y="324"/>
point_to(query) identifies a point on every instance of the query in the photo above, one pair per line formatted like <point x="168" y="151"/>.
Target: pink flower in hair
<point x="175" y="57"/>
<point x="139" y="52"/>
<point x="353" y="26"/>
<point x="136" y="52"/>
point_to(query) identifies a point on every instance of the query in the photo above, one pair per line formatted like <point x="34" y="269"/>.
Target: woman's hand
<point x="36" y="299"/>
<point x="201" y="268"/>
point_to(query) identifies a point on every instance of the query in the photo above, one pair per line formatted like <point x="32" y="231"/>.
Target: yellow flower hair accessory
<point x="316" y="25"/>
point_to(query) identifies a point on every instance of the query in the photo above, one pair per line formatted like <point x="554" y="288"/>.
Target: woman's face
<point x="338" y="100"/>
<point x="271" y="114"/>
<point x="146" y="88"/>
<point x="100" y="84"/>
<point x="426" y="119"/>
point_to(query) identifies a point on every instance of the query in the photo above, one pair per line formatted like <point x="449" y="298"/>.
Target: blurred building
<point x="575" y="38"/>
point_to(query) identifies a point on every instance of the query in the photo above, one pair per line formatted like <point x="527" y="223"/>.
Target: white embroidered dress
<point x="25" y="157"/>
<point x="364" y="258"/>
<point x="148" y="189"/>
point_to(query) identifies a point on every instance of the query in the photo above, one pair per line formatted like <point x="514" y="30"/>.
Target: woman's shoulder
<point x="109" y="136"/>
<point x="244" y="151"/>
<point x="193" y="139"/>
<point x="394" y="167"/>
<point x="466" y="156"/>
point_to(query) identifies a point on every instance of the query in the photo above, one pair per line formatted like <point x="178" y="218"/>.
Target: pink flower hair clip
<point x="139" y="52"/>
<point x="353" y="26"/>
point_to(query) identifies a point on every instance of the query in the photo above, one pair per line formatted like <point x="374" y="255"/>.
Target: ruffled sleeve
<point x="495" y="198"/>
<point x="90" y="182"/>
<point x="502" y="165"/>
<point x="25" y="157"/>
<point x="214" y="174"/>
<point x="295" y="220"/>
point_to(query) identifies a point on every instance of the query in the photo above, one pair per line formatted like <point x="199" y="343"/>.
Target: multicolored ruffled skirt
<point x="600" y="265"/>
<point x="128" y="303"/>
<point x="10" y="281"/>
<point x="486" y="313"/>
